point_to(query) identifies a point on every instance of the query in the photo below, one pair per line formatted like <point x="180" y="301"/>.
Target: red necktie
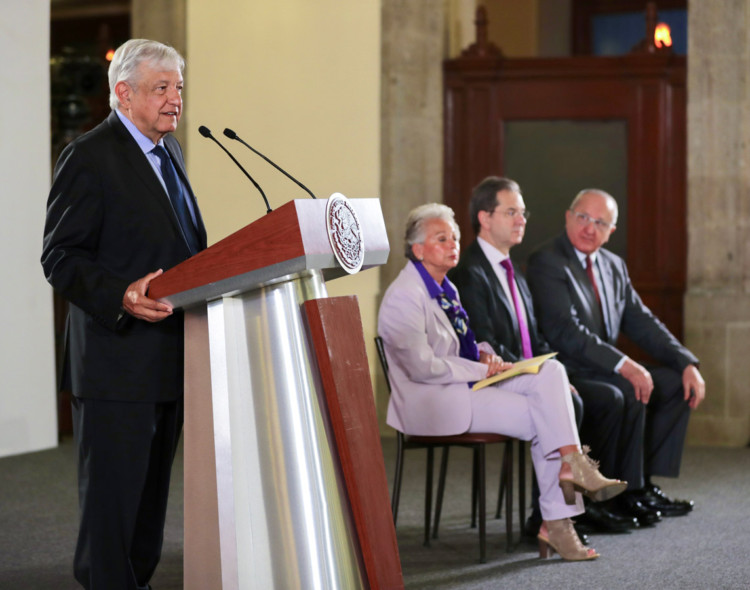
<point x="522" y="327"/>
<point x="590" y="273"/>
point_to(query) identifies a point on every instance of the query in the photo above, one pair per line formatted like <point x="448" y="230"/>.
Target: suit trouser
<point x="125" y="454"/>
<point x="536" y="513"/>
<point x="631" y="440"/>
<point x="536" y="408"/>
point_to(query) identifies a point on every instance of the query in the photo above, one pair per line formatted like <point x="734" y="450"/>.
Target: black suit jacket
<point x="109" y="222"/>
<point x="492" y="315"/>
<point x="569" y="319"/>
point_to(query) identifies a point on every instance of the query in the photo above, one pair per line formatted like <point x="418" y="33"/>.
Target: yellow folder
<point x="531" y="365"/>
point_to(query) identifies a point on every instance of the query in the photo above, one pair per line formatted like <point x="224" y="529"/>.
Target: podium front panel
<point x="283" y="516"/>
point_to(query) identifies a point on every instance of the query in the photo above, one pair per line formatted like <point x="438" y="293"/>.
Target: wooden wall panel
<point x="645" y="91"/>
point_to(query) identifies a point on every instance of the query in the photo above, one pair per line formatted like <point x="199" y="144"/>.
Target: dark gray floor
<point x="706" y="550"/>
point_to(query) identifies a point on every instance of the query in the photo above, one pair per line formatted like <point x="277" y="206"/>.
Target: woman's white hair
<point x="131" y="54"/>
<point x="418" y="218"/>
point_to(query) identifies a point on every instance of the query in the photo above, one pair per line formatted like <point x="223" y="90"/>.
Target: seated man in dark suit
<point x="498" y="300"/>
<point x="584" y="299"/>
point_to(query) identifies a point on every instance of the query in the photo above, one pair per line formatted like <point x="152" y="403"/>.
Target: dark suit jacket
<point x="569" y="319"/>
<point x="109" y="222"/>
<point x="492" y="315"/>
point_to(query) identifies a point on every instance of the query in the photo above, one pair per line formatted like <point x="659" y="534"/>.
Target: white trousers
<point x="537" y="408"/>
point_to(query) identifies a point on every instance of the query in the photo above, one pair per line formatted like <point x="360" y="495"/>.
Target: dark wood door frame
<point x="483" y="92"/>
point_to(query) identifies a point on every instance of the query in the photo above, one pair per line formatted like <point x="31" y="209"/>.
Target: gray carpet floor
<point x="706" y="550"/>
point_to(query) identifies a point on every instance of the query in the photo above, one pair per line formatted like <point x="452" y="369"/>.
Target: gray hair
<point x="611" y="203"/>
<point x="419" y="217"/>
<point x="131" y="54"/>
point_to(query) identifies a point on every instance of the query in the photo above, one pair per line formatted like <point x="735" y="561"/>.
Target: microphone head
<point x="230" y="134"/>
<point x="204" y="131"/>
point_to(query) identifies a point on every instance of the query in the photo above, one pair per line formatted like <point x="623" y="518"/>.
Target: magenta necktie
<point x="522" y="327"/>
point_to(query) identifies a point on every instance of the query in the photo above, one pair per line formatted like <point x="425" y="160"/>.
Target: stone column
<point x="411" y="125"/>
<point x="417" y="36"/>
<point x="717" y="304"/>
<point x="413" y="48"/>
<point x="165" y="21"/>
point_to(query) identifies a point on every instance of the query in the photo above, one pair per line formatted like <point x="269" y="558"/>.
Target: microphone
<point x="232" y="135"/>
<point x="206" y="132"/>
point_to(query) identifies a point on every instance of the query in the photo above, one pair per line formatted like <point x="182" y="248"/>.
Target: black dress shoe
<point x="581" y="535"/>
<point x="628" y="505"/>
<point x="652" y="497"/>
<point x="598" y="519"/>
<point x="531" y="527"/>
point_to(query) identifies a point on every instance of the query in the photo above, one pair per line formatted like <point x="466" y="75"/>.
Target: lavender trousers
<point x="536" y="408"/>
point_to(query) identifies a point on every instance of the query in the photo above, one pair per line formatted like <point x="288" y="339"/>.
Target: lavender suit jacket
<point x="429" y="380"/>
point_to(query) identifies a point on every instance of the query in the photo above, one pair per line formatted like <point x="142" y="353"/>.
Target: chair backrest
<point x="383" y="360"/>
<point x="400" y="436"/>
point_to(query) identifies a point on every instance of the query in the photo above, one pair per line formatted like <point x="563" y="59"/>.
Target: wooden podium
<point x="285" y="485"/>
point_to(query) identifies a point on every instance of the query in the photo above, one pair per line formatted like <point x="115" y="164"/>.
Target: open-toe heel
<point x="584" y="476"/>
<point x="562" y="538"/>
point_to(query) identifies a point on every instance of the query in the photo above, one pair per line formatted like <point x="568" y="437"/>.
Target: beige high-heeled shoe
<point x="563" y="539"/>
<point x="586" y="478"/>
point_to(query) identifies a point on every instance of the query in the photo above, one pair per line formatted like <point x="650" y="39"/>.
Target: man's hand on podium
<point x="139" y="305"/>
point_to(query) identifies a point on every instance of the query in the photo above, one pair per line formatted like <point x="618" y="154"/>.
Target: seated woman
<point x="433" y="356"/>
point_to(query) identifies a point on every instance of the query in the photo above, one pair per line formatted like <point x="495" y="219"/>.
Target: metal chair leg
<point x="395" y="497"/>
<point x="503" y="484"/>
<point x="440" y="491"/>
<point x="508" y="464"/>
<point x="428" y="496"/>
<point x="474" y="484"/>
<point x="482" y="506"/>
<point x="522" y="482"/>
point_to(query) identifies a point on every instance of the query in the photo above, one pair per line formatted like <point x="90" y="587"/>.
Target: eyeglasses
<point x="582" y="219"/>
<point x="512" y="213"/>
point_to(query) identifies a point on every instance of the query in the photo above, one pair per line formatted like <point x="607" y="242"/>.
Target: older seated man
<point x="584" y="300"/>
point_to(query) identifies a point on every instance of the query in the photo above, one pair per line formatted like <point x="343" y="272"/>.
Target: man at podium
<point x="121" y="210"/>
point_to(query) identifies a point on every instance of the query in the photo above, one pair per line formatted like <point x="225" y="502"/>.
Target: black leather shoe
<point x="628" y="505"/>
<point x="531" y="528"/>
<point x="598" y="519"/>
<point x="653" y="498"/>
<point x="581" y="535"/>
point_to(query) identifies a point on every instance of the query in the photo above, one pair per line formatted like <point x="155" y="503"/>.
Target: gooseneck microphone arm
<point x="232" y="135"/>
<point x="206" y="132"/>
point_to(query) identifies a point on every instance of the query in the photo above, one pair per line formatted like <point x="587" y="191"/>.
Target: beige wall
<point x="532" y="28"/>
<point x="300" y="82"/>
<point x="514" y="26"/>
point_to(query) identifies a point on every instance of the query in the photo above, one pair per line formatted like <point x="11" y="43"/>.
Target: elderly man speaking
<point x="121" y="210"/>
